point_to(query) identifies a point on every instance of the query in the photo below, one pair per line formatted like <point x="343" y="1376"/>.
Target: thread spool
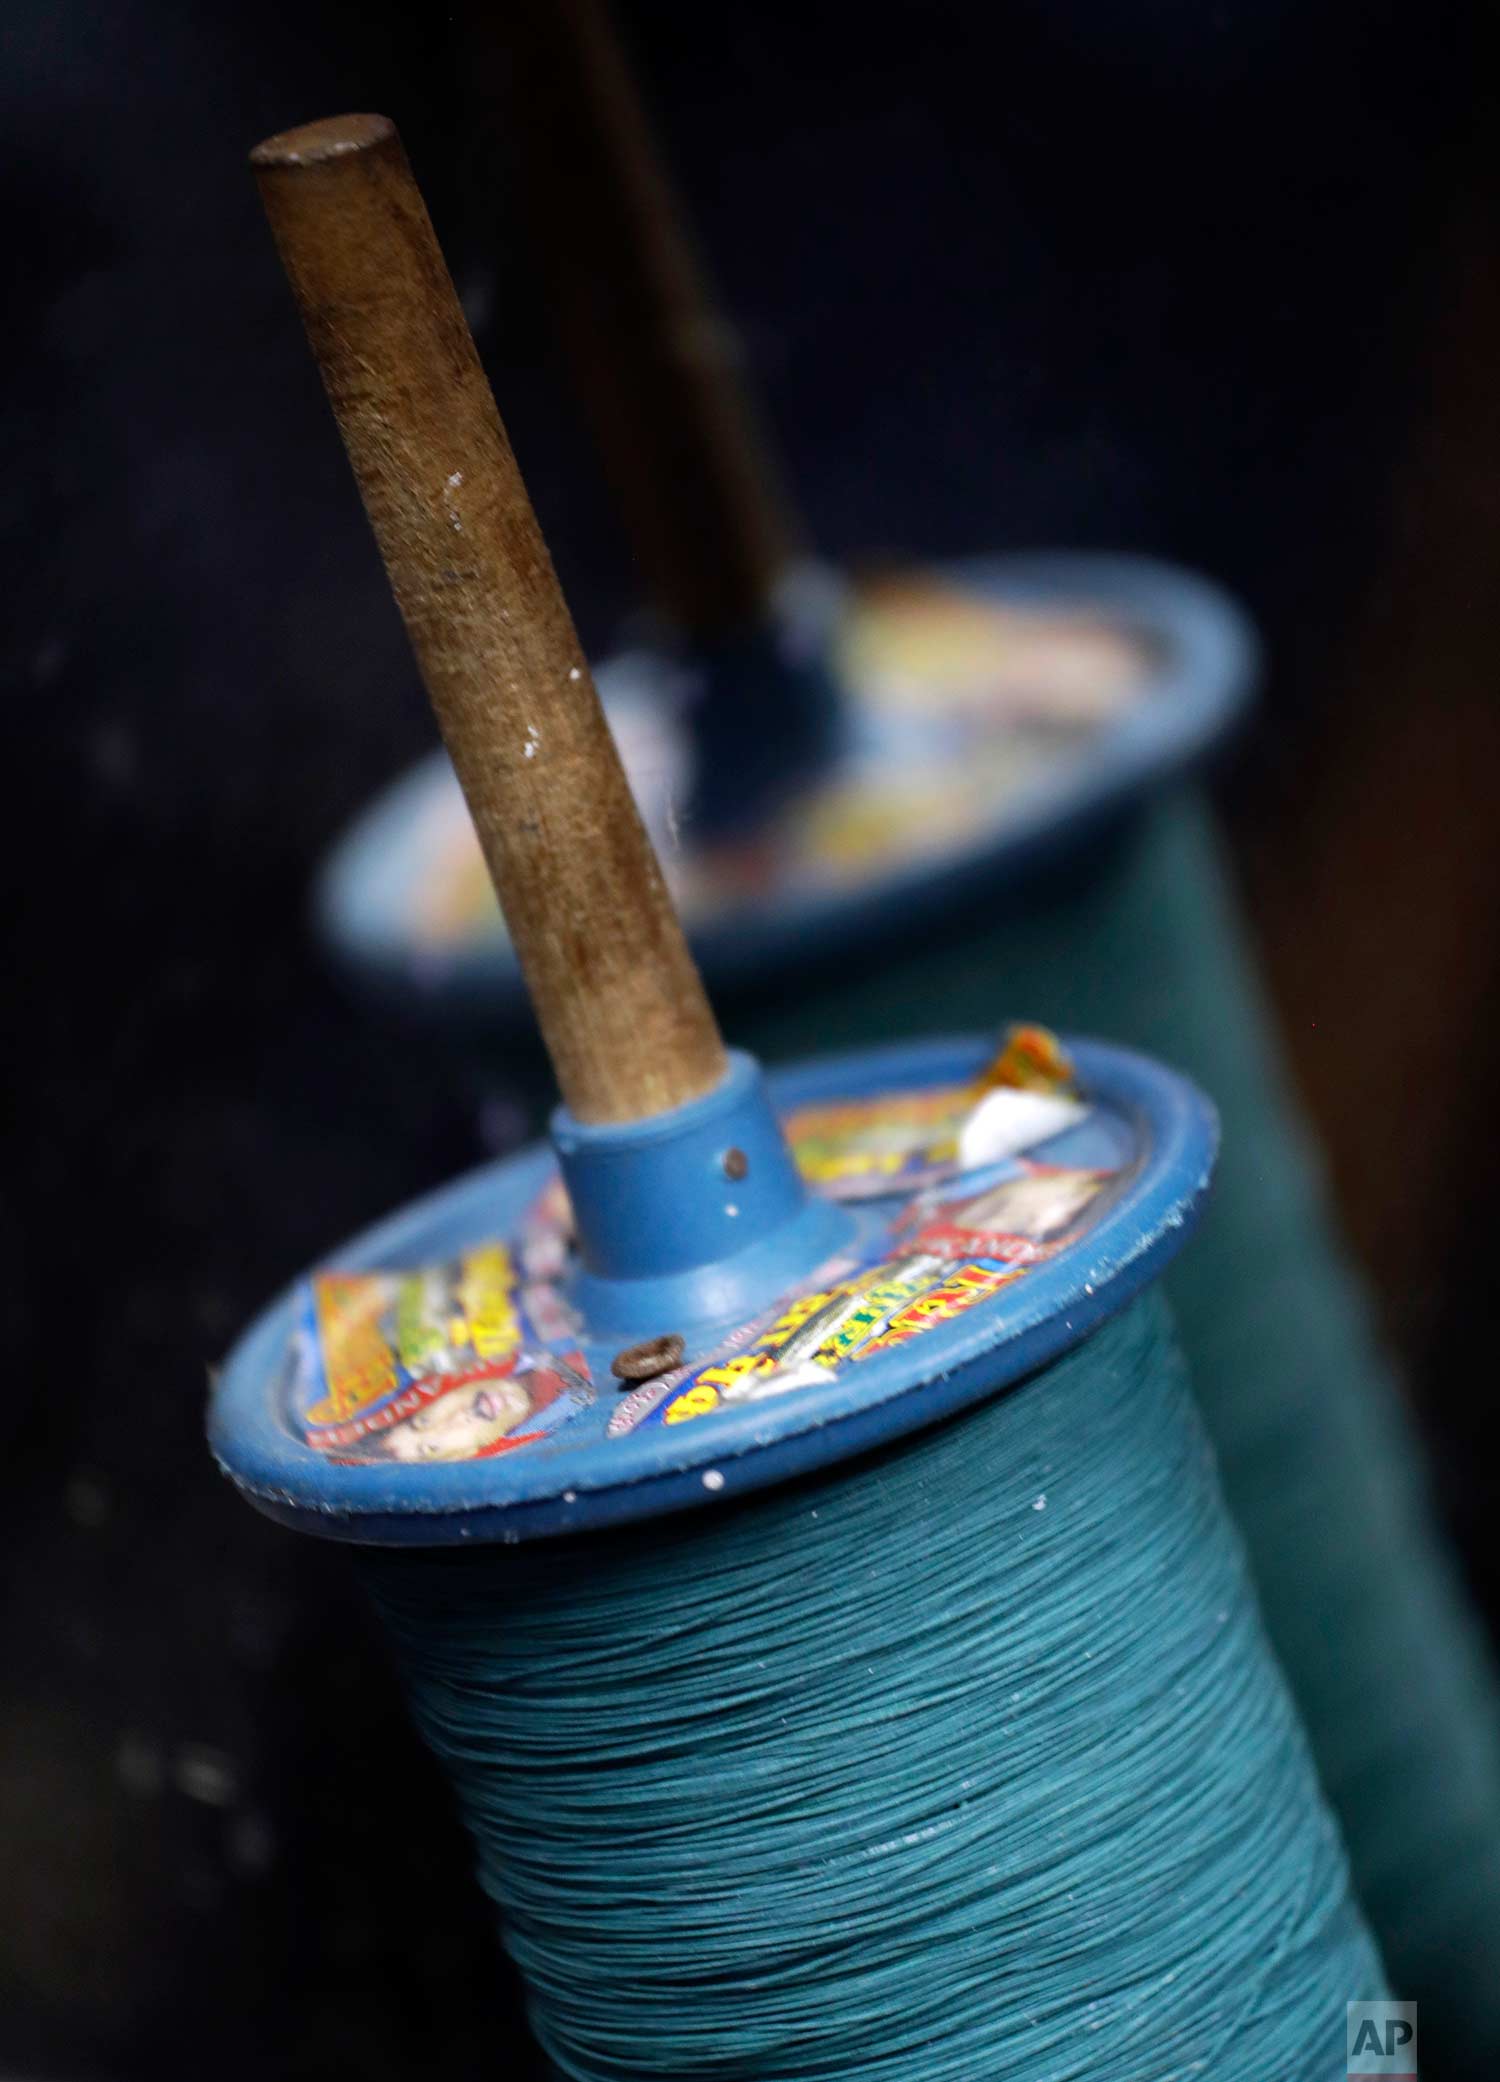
<point x="816" y="1329"/>
<point x="1321" y="1461"/>
<point x="955" y="811"/>
<point x="823" y="765"/>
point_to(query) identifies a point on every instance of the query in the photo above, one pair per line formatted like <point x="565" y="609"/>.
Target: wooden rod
<point x="619" y="1001"/>
<point x="657" y="365"/>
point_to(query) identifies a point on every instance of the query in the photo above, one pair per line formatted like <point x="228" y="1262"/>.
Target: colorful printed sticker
<point x="816" y="1334"/>
<point x="1031" y="1059"/>
<point x="857" y="1149"/>
<point x="853" y="1149"/>
<point x="448" y="1362"/>
<point x="546" y="1235"/>
<point x="1019" y="1221"/>
<point x="948" y="1255"/>
<point x="918" y="645"/>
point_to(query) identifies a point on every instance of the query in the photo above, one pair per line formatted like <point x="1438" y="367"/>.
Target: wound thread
<point x="968" y="1760"/>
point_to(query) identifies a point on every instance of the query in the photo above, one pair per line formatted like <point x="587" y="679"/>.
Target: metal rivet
<point x="657" y="1355"/>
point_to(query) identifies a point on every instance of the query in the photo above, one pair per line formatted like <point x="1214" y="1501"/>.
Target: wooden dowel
<point x="619" y="1001"/>
<point x="658" y="366"/>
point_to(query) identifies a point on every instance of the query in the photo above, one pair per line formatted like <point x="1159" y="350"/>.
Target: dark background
<point x="1214" y="281"/>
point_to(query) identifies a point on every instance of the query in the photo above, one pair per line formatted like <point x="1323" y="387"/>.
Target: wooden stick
<point x="658" y="366"/>
<point x="620" y="1003"/>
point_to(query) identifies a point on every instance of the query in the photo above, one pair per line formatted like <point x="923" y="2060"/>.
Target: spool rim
<point x="593" y="1483"/>
<point x="1189" y="702"/>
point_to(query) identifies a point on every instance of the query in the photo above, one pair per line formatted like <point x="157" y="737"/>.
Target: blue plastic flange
<point x="691" y="1218"/>
<point x="1203" y="660"/>
<point x="592" y="1452"/>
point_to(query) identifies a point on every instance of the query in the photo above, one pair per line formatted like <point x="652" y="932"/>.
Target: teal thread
<point x="968" y="1761"/>
<point x="1322" y="1466"/>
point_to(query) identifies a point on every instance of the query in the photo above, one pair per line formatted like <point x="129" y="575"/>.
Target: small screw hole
<point x="736" y="1163"/>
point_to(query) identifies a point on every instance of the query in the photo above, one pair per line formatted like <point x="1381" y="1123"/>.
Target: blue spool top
<point x="978" y="745"/>
<point x="447" y="1376"/>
